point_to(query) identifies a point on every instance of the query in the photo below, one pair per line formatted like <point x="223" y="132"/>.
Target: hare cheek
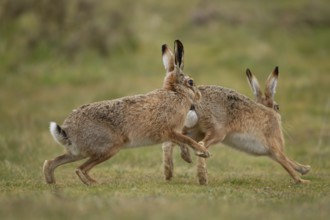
<point x="191" y="119"/>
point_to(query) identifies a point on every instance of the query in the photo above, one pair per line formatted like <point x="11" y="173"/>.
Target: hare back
<point x="129" y="121"/>
<point x="230" y="108"/>
<point x="215" y="97"/>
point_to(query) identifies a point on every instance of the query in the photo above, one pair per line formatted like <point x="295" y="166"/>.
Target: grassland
<point x="43" y="83"/>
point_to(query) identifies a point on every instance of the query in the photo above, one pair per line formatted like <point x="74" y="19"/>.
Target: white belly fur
<point x="246" y="143"/>
<point x="191" y="119"/>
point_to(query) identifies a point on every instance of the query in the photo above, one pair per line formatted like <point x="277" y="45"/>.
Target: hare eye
<point x="191" y="82"/>
<point x="276" y="108"/>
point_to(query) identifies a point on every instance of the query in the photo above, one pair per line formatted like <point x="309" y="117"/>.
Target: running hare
<point x="97" y="131"/>
<point x="226" y="116"/>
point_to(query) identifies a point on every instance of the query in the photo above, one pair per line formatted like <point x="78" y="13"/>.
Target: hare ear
<point x="179" y="52"/>
<point x="271" y="83"/>
<point x="168" y="58"/>
<point x="254" y="84"/>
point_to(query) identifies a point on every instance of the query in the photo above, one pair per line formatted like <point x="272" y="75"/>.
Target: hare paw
<point x="302" y="181"/>
<point x="185" y="154"/>
<point x="205" y="154"/>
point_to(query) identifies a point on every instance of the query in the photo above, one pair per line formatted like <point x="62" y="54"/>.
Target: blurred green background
<point x="57" y="55"/>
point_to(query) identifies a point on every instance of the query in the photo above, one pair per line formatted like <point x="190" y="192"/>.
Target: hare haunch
<point x="223" y="115"/>
<point x="97" y="131"/>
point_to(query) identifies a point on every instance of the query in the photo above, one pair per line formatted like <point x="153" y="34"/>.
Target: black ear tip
<point x="276" y="70"/>
<point x="164" y="47"/>
<point x="178" y="42"/>
<point x="248" y="72"/>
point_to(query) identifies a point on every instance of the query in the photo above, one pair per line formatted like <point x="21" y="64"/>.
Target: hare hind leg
<point x="82" y="173"/>
<point x="50" y="165"/>
<point x="82" y="170"/>
<point x="302" y="169"/>
<point x="285" y="162"/>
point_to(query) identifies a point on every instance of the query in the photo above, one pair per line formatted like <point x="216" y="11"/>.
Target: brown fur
<point x="97" y="131"/>
<point x="233" y="119"/>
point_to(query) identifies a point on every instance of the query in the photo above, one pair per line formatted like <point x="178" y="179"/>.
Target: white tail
<point x="58" y="134"/>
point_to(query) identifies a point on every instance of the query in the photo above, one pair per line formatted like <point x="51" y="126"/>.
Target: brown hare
<point x="223" y="115"/>
<point x="97" y="131"/>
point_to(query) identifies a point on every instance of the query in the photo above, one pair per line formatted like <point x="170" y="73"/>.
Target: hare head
<point x="266" y="99"/>
<point x="175" y="80"/>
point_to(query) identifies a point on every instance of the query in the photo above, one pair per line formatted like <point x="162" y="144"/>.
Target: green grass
<point x="40" y="84"/>
<point x="132" y="186"/>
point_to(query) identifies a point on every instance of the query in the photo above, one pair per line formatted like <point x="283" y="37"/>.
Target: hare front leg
<point x="202" y="171"/>
<point x="185" y="153"/>
<point x="168" y="164"/>
<point x="213" y="136"/>
<point x="184" y="150"/>
<point x="210" y="138"/>
<point x="181" y="139"/>
<point x="168" y="159"/>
